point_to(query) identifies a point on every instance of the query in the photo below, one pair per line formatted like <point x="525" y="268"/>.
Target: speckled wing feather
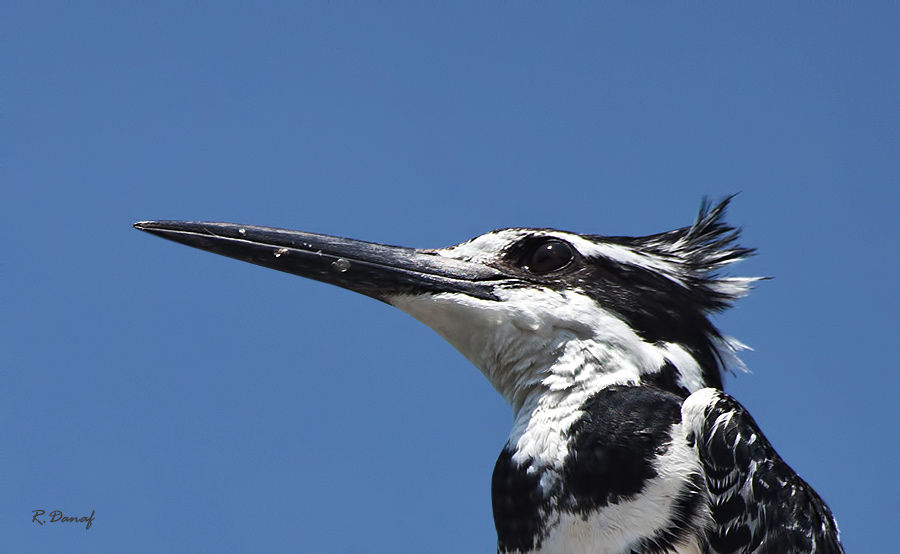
<point x="757" y="503"/>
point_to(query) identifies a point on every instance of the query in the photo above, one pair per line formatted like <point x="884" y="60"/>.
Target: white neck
<point x="546" y="353"/>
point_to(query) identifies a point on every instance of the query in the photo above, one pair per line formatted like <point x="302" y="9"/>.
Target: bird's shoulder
<point x="757" y="503"/>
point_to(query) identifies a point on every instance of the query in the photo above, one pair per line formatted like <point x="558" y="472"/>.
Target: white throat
<point x="533" y="343"/>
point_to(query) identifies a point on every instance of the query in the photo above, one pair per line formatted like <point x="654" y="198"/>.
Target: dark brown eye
<point x="549" y="256"/>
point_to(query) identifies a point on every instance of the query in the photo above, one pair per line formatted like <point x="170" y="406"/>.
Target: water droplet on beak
<point x="341" y="265"/>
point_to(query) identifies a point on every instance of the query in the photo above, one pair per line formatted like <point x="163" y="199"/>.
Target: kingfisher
<point x="623" y="440"/>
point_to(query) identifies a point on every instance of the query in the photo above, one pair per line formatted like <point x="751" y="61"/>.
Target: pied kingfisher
<point x="623" y="440"/>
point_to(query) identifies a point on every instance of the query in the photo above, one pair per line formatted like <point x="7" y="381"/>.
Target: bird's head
<point x="536" y="310"/>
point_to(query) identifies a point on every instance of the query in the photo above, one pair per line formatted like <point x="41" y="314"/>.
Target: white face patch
<point x="485" y="247"/>
<point x="627" y="256"/>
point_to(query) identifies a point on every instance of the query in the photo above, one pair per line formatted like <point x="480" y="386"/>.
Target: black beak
<point x="376" y="270"/>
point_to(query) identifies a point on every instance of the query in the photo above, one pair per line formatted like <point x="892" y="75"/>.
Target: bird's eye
<point x="551" y="255"/>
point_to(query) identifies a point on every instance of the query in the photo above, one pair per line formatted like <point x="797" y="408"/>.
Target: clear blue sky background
<point x="198" y="404"/>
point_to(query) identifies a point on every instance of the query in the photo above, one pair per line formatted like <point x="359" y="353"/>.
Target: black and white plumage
<point x="622" y="439"/>
<point x="757" y="502"/>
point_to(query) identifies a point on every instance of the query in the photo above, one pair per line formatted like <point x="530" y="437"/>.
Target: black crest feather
<point x="694" y="256"/>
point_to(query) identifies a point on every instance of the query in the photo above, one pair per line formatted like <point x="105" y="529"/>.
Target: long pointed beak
<point x="376" y="270"/>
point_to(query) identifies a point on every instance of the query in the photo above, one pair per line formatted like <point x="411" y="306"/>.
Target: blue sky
<point x="198" y="404"/>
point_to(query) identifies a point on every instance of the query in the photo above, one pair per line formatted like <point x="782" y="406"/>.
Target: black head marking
<point x="664" y="286"/>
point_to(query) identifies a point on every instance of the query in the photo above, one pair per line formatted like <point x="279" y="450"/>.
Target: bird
<point x="623" y="439"/>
